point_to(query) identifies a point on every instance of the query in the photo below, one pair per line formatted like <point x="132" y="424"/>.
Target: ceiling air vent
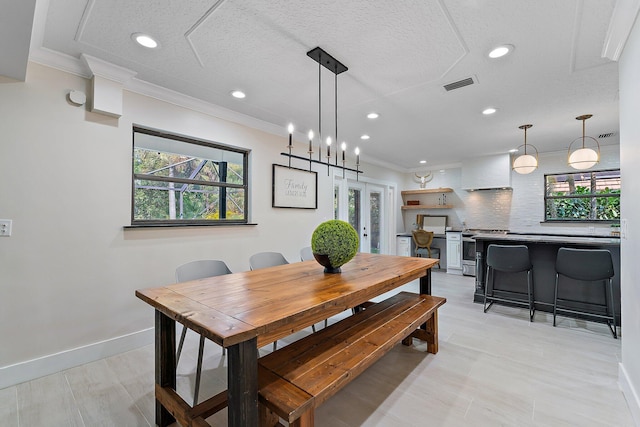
<point x="606" y="135"/>
<point x="460" y="83"/>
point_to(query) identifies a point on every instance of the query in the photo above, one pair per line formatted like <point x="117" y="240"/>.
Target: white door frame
<point x="390" y="202"/>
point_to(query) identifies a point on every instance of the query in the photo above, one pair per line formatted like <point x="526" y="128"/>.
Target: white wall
<point x="69" y="271"/>
<point x="629" y="70"/>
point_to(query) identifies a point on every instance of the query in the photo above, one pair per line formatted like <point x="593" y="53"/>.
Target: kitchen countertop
<point x="435" y="236"/>
<point x="549" y="238"/>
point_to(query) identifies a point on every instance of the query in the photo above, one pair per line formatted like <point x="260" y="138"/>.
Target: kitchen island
<point x="543" y="249"/>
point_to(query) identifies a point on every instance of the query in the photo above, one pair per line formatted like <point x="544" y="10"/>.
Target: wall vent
<point x="606" y="135"/>
<point x="460" y="83"/>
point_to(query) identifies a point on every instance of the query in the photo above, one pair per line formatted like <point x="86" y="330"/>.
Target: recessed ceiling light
<point x="488" y="111"/>
<point x="373" y="115"/>
<point x="364" y="137"/>
<point x="513" y="150"/>
<point x="238" y="94"/>
<point x="500" y="51"/>
<point x="144" y="40"/>
<point x="423" y="161"/>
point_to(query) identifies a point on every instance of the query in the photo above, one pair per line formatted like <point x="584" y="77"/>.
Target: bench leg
<point x="306" y="420"/>
<point x="432" y="333"/>
<point x="428" y="332"/>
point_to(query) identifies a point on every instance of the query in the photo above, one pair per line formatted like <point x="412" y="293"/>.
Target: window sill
<point x="142" y="226"/>
<point x="580" y="221"/>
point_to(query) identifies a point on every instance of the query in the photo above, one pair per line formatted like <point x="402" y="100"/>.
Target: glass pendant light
<point x="526" y="163"/>
<point x="584" y="157"/>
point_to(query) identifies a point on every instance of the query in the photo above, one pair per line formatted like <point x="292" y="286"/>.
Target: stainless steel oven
<point x="468" y="256"/>
<point x="469" y="249"/>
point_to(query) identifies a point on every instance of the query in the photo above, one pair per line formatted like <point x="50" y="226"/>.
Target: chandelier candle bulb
<point x="290" y="129"/>
<point x="357" y="151"/>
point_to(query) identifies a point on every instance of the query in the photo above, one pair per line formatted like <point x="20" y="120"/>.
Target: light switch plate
<point x="5" y="227"/>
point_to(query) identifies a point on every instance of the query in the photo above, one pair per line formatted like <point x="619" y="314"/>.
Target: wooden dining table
<point x="245" y="311"/>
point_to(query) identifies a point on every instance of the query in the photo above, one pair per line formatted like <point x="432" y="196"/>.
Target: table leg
<point x="242" y="384"/>
<point x="425" y="288"/>
<point x="425" y="283"/>
<point x="165" y="360"/>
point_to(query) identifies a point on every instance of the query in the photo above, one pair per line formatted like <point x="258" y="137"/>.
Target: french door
<point x="364" y="206"/>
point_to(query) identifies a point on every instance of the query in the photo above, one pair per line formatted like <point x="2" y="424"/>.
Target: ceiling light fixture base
<point x="327" y="61"/>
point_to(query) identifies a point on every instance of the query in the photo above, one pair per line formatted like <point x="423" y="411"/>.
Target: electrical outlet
<point x="5" y="227"/>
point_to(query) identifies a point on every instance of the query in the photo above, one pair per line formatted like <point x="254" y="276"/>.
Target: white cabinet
<point x="403" y="246"/>
<point x="454" y="252"/>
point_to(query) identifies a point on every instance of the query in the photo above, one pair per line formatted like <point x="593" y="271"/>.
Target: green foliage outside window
<point x="177" y="180"/>
<point x="583" y="196"/>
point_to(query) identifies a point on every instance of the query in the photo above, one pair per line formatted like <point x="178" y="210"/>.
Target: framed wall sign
<point x="294" y="188"/>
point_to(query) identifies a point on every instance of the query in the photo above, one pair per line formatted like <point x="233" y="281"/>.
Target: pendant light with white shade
<point x="526" y="163"/>
<point x="584" y="157"/>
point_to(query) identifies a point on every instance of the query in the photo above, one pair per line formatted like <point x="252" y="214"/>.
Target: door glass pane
<point x="375" y="202"/>
<point x="336" y="202"/>
<point x="354" y="210"/>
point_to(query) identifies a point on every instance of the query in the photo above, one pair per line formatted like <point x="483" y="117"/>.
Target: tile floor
<point x="493" y="369"/>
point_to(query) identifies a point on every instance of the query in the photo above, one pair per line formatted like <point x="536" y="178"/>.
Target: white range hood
<point x="486" y="173"/>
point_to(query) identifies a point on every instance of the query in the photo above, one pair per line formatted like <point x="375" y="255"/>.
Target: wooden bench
<point x="301" y="376"/>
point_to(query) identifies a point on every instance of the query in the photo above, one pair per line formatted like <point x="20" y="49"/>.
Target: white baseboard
<point x="50" y="364"/>
<point x="630" y="393"/>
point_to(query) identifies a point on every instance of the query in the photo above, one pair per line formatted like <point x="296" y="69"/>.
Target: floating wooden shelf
<point x="405" y="207"/>
<point x="427" y="191"/>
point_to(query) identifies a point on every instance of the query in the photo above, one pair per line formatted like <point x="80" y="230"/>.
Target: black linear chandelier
<point x="336" y="67"/>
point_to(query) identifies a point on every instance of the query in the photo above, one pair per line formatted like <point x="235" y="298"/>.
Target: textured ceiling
<point x="399" y="53"/>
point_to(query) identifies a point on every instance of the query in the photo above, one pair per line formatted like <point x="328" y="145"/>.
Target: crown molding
<point x="179" y="99"/>
<point x="622" y="20"/>
<point x="107" y="70"/>
<point x="59" y="61"/>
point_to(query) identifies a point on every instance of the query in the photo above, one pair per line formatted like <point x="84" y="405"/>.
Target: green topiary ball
<point x="336" y="241"/>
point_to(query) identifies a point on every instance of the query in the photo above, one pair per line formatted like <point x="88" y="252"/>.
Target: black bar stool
<point x="587" y="265"/>
<point x="509" y="259"/>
